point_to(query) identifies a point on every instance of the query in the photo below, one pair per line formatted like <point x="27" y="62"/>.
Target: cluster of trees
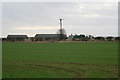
<point x="109" y="38"/>
<point x="82" y="37"/>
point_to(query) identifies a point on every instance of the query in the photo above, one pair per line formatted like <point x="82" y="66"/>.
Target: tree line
<point x="82" y="37"/>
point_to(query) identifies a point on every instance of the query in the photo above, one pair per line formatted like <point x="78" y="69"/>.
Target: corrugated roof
<point x="17" y="36"/>
<point x="46" y="35"/>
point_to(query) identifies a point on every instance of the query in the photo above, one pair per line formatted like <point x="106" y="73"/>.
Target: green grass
<point x="60" y="60"/>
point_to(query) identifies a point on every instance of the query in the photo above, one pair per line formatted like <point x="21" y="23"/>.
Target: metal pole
<point x="60" y="23"/>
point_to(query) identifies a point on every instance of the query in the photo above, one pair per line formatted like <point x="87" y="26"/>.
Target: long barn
<point x="41" y="37"/>
<point x="16" y="37"/>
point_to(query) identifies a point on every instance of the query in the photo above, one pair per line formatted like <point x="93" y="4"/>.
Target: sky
<point x="89" y="18"/>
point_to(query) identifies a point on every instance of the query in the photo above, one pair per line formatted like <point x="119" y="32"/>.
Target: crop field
<point x="60" y="60"/>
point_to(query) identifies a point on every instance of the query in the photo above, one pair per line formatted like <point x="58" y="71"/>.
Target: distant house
<point x="117" y="38"/>
<point x="70" y="37"/>
<point x="3" y="39"/>
<point x="16" y="37"/>
<point x="41" y="37"/>
<point x="99" y="38"/>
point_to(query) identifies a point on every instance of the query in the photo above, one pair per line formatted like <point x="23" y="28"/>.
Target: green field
<point x="60" y="60"/>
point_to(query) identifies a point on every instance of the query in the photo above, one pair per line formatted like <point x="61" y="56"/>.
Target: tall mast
<point x="61" y="26"/>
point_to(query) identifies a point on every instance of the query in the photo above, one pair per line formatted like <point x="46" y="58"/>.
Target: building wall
<point x="43" y="37"/>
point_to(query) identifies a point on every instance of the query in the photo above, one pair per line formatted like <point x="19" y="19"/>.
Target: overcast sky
<point x="94" y="18"/>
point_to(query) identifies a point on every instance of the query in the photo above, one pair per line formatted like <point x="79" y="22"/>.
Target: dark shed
<point x="17" y="37"/>
<point x="40" y="37"/>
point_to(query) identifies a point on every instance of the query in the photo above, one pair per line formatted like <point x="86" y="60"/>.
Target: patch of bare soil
<point x="107" y="68"/>
<point x="65" y="41"/>
<point x="63" y="69"/>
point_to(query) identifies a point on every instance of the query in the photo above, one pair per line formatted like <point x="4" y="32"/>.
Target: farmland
<point x="60" y="60"/>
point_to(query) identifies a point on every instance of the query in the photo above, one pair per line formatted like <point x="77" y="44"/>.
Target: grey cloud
<point x="76" y="17"/>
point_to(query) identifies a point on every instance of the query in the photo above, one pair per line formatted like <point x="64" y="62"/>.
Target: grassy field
<point x="60" y="60"/>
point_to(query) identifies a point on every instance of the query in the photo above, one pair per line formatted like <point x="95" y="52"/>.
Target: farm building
<point x="41" y="37"/>
<point x="17" y="37"/>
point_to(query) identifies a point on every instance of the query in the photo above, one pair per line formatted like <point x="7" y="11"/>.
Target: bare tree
<point x="62" y="33"/>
